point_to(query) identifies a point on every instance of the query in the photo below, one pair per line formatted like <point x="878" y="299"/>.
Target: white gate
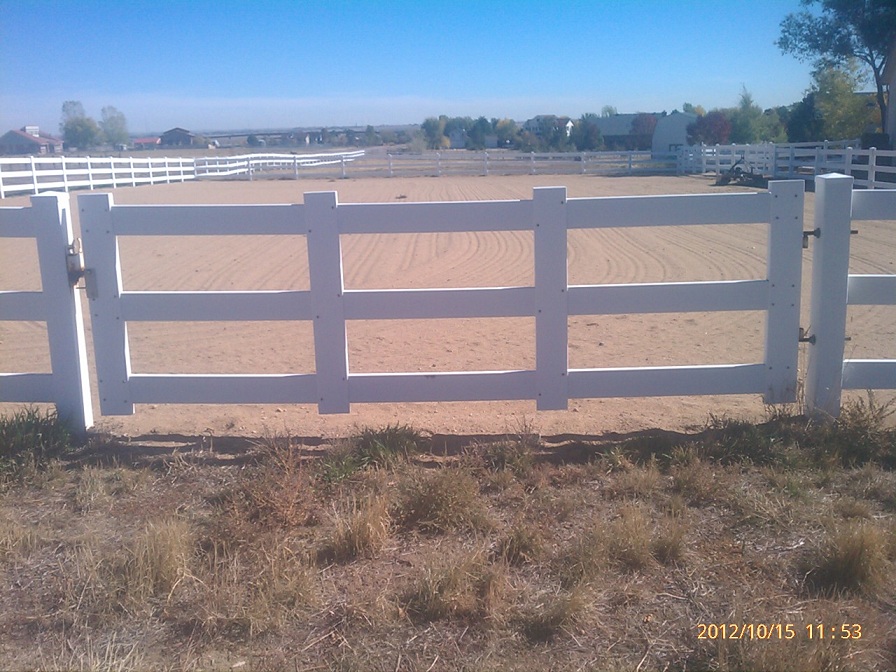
<point x="550" y="214"/>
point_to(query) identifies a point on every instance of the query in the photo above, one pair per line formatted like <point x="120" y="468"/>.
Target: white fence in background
<point x="872" y="168"/>
<point x="496" y="162"/>
<point x="278" y="164"/>
<point x="34" y="175"/>
<point x="327" y="304"/>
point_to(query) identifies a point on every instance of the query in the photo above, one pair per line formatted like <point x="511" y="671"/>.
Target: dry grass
<point x="387" y="556"/>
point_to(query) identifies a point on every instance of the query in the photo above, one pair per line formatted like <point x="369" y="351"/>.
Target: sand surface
<point x="443" y="260"/>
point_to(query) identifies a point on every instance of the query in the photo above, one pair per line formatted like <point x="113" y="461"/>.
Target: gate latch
<point x="806" y="234"/>
<point x="74" y="261"/>
<point x="817" y="234"/>
<point x="804" y="338"/>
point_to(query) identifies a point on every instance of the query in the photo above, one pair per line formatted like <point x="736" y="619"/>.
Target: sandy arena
<point x="443" y="260"/>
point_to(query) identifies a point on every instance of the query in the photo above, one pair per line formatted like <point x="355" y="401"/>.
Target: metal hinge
<point x="74" y="261"/>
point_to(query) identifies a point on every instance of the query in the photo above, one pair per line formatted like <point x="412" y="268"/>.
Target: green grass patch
<point x="30" y="440"/>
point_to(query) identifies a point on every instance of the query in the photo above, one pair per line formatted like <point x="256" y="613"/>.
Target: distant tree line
<point x="79" y="130"/>
<point x="849" y="41"/>
<point x="833" y="108"/>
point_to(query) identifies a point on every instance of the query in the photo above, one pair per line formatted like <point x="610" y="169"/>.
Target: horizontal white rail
<point x="872" y="168"/>
<point x="328" y="305"/>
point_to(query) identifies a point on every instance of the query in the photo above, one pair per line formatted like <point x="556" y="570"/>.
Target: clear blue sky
<point x="224" y="64"/>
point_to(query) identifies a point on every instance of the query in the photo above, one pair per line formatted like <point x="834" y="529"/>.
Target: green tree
<point x="81" y="132"/>
<point x="477" y="132"/>
<point x="844" y="114"/>
<point x="114" y="126"/>
<point x="371" y="138"/>
<point x="506" y="130"/>
<point x="693" y="109"/>
<point x="845" y="29"/>
<point x="745" y="120"/>
<point x="71" y="109"/>
<point x="607" y="111"/>
<point x="434" y="131"/>
<point x="78" y="130"/>
<point x="586" y="133"/>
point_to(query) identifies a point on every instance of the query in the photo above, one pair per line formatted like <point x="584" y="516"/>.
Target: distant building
<point x="146" y="143"/>
<point x="671" y="132"/>
<point x="545" y="124"/>
<point x="179" y="137"/>
<point x="29" y="140"/>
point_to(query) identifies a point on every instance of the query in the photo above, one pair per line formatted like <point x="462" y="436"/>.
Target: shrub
<point x="29" y="439"/>
<point x="359" y="531"/>
<point x="850" y="559"/>
<point x="859" y="436"/>
<point x="545" y="620"/>
<point x="442" y="500"/>
<point x="457" y="585"/>
<point x="383" y="447"/>
<point x="387" y="445"/>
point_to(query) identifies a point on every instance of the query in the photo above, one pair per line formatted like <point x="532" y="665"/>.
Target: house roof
<point x="177" y="129"/>
<point x="147" y="141"/>
<point x="617" y="124"/>
<point x="35" y="140"/>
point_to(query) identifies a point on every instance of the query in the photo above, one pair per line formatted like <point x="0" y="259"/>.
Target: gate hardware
<point x="806" y="234"/>
<point x="803" y="338"/>
<point x="90" y="283"/>
<point x="74" y="261"/>
<point x="817" y="234"/>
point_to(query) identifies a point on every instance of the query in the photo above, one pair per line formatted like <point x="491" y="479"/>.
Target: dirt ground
<point x="443" y="260"/>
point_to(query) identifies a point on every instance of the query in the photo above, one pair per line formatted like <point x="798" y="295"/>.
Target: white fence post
<point x="830" y="277"/>
<point x="551" y="283"/>
<point x="327" y="291"/>
<point x="65" y="322"/>
<point x="104" y="287"/>
<point x="782" y="325"/>
<point x="34" y="177"/>
<point x="872" y="167"/>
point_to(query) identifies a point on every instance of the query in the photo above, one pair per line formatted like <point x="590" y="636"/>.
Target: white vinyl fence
<point x="33" y="175"/>
<point x="551" y="300"/>
<point x="872" y="168"/>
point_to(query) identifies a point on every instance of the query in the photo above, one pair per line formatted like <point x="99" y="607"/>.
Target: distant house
<point x="458" y="138"/>
<point x="29" y="140"/>
<point x="545" y="124"/>
<point x="179" y="137"/>
<point x="146" y="143"/>
<point x="671" y="132"/>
